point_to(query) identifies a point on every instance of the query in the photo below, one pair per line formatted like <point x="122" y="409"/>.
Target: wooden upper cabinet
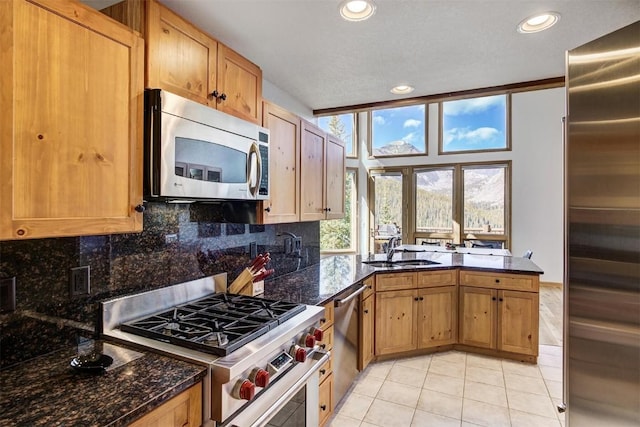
<point x="284" y="165"/>
<point x="312" y="163"/>
<point x="71" y="123"/>
<point x="186" y="61"/>
<point x="180" y="58"/>
<point x="335" y="172"/>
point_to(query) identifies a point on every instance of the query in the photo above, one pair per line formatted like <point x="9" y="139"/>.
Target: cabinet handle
<point x="140" y="208"/>
<point x="493" y="298"/>
<point x="369" y="287"/>
<point x="497" y="280"/>
<point x="323" y="320"/>
<point x="268" y="209"/>
<point x="323" y="371"/>
<point x="421" y="298"/>
<point x="500" y="299"/>
<point x="366" y="312"/>
<point x="323" y="346"/>
<point x="323" y="407"/>
<point x="218" y="95"/>
<point x="416" y="299"/>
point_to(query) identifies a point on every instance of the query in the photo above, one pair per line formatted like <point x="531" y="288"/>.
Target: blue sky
<point x="474" y="124"/>
<point x="395" y="124"/>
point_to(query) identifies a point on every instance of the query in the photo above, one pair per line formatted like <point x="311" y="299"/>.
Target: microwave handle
<point x="254" y="155"/>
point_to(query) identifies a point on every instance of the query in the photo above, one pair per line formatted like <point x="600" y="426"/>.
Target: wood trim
<point x="496" y="353"/>
<point x="558" y="285"/>
<point x="512" y="88"/>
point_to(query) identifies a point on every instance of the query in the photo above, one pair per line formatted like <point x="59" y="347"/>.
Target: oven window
<point x="208" y="161"/>
<point x="293" y="414"/>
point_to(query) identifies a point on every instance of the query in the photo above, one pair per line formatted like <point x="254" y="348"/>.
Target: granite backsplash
<point x="180" y="242"/>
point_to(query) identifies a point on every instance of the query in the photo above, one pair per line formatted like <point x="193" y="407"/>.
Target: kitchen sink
<point x="400" y="263"/>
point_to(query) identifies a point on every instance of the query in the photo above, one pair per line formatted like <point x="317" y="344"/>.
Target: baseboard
<point x="552" y="284"/>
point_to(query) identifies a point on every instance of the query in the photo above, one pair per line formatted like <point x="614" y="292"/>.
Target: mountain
<point x="396" y="147"/>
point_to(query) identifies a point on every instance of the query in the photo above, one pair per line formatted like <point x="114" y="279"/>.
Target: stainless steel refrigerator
<point x="602" y="247"/>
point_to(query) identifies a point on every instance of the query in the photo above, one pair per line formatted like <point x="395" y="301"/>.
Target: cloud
<point x="379" y="120"/>
<point x="412" y="123"/>
<point x="472" y="106"/>
<point x="471" y="136"/>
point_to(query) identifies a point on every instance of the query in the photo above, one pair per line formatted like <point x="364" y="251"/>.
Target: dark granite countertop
<point x="321" y="283"/>
<point x="46" y="391"/>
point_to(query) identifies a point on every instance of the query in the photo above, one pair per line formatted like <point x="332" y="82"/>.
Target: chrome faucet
<point x="391" y="247"/>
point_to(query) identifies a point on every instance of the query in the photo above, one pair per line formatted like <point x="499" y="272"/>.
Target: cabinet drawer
<point x="325" y="400"/>
<point x="369" y="283"/>
<point x="481" y="279"/>
<point x="395" y="281"/>
<point x="326" y="369"/>
<point x="327" y="319"/>
<point x="428" y="279"/>
<point x="327" y="339"/>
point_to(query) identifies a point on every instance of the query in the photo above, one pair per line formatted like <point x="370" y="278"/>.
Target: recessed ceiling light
<point x="402" y="90"/>
<point x="540" y="22"/>
<point x="357" y="10"/>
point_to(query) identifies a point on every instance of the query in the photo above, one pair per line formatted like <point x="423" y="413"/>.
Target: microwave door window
<point x="208" y="161"/>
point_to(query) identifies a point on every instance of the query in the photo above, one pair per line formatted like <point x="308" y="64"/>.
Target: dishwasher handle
<point x="343" y="301"/>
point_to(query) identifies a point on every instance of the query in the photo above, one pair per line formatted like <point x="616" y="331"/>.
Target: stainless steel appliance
<point x="345" y="345"/>
<point x="194" y="152"/>
<point x="260" y="354"/>
<point x="602" y="265"/>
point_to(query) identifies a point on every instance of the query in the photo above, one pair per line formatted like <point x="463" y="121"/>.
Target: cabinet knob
<point x="323" y="346"/>
<point x="416" y="299"/>
<point x="421" y="298"/>
<point x="500" y="299"/>
<point x="497" y="280"/>
<point x="493" y="298"/>
<point x="323" y="371"/>
<point x="223" y="96"/>
<point x="323" y="407"/>
<point x="366" y="312"/>
<point x="140" y="208"/>
<point x="268" y="209"/>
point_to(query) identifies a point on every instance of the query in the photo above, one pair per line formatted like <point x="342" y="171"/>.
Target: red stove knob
<point x="309" y="341"/>
<point x="260" y="377"/>
<point x="318" y="334"/>
<point x="247" y="390"/>
<point x="298" y="353"/>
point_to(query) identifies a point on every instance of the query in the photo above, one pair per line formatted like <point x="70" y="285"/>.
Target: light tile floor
<point x="457" y="389"/>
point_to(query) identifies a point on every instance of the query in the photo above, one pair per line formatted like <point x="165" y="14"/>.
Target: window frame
<point x="355" y="241"/>
<point x="507" y="128"/>
<point x="388" y="156"/>
<point x="371" y="201"/>
<point x="354" y="135"/>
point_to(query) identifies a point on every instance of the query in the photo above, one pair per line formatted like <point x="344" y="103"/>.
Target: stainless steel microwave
<point x="196" y="153"/>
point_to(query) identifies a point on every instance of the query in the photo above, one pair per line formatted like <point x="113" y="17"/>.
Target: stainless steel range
<point x="259" y="353"/>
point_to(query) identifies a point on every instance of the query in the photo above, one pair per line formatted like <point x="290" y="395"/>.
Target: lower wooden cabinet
<point x="183" y="410"/>
<point x="437" y="316"/>
<point x="366" y="349"/>
<point x="325" y="399"/>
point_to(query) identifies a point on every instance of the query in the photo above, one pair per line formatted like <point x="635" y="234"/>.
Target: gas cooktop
<point x="218" y="324"/>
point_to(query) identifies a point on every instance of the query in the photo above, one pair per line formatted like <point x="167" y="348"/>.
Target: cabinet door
<point x="366" y="349"/>
<point x="478" y="317"/>
<point x="71" y="123"/>
<point x="325" y="399"/>
<point x="240" y="84"/>
<point x="284" y="165"/>
<point x="335" y="173"/>
<point x="395" y="321"/>
<point x="437" y="316"/>
<point x="518" y="322"/>
<point x="312" y="182"/>
<point x="183" y="410"/>
<point x="180" y="58"/>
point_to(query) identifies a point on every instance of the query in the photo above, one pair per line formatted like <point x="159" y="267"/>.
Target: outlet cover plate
<point x="79" y="281"/>
<point x="8" y="295"/>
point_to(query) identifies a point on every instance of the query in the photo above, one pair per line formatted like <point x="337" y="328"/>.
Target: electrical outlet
<point x="7" y="295"/>
<point x="79" y="281"/>
<point x="253" y="250"/>
<point x="297" y="244"/>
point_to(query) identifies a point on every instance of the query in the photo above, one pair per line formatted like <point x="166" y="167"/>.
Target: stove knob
<point x="318" y="334"/>
<point x="309" y="341"/>
<point x="246" y="390"/>
<point x="298" y="353"/>
<point x="260" y="377"/>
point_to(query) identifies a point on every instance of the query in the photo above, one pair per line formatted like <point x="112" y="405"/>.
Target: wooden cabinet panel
<point x="241" y="83"/>
<point x="180" y="58"/>
<point x="312" y="161"/>
<point x="335" y="171"/>
<point x="437" y="278"/>
<point x="327" y="320"/>
<point x="326" y="399"/>
<point x="478" y="317"/>
<point x="437" y="316"/>
<point x="395" y="321"/>
<point x="284" y="165"/>
<point x="327" y="339"/>
<point x="518" y="314"/>
<point x="365" y="347"/>
<point x="325" y="370"/>
<point x="184" y="410"/>
<point x="370" y="284"/>
<point x="516" y="282"/>
<point x="71" y="128"/>
<point x="395" y="281"/>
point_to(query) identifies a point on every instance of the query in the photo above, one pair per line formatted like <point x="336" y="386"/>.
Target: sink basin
<point x="399" y="263"/>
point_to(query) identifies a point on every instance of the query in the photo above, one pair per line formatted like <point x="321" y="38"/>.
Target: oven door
<point x="291" y="401"/>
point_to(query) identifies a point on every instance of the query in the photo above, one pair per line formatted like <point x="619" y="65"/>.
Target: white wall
<point x="536" y="155"/>
<point x="274" y="94"/>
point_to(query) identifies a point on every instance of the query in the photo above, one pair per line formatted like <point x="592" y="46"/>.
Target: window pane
<point x="340" y="234"/>
<point x="484" y="200"/>
<point x="388" y="209"/>
<point x="342" y="127"/>
<point x="398" y="131"/>
<point x="434" y="201"/>
<point x="474" y="124"/>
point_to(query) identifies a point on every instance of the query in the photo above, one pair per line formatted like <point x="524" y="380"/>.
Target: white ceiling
<point x="306" y="49"/>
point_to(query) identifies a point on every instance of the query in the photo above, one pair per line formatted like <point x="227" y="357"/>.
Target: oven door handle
<point x="341" y="302"/>
<point x="292" y="390"/>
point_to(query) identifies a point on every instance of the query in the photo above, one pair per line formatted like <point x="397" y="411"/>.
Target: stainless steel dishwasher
<point x="345" y="345"/>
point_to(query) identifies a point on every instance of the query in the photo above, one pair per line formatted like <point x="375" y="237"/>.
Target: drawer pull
<point x="366" y="312"/>
<point x="500" y="300"/>
<point x="323" y="346"/>
<point x="323" y="407"/>
<point x="497" y="280"/>
<point x="493" y="298"/>
<point x="323" y="371"/>
<point x="323" y="320"/>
